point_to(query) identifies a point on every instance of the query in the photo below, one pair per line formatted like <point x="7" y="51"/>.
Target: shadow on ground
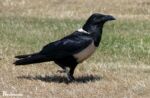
<point x="62" y="79"/>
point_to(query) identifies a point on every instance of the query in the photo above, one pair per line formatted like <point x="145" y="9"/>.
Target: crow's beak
<point x="109" y="17"/>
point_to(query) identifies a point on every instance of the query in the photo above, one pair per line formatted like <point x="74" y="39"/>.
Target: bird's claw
<point x="70" y="78"/>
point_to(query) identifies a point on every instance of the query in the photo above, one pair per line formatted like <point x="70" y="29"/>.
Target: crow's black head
<point x="97" y="18"/>
<point x="96" y="21"/>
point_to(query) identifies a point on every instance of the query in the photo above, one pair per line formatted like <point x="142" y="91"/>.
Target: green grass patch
<point x="125" y="41"/>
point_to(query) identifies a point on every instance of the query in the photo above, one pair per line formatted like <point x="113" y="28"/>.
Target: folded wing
<point x="67" y="46"/>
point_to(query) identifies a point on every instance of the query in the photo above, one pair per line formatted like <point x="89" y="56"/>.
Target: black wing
<point x="67" y="46"/>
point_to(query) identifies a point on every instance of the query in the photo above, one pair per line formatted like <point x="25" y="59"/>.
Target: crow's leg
<point x="70" y="72"/>
<point x="69" y="76"/>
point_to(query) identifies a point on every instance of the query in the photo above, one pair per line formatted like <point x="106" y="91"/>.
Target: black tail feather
<point x="24" y="56"/>
<point x="32" y="60"/>
<point x="21" y="56"/>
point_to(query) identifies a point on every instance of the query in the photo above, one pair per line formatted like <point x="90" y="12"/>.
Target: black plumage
<point x="72" y="49"/>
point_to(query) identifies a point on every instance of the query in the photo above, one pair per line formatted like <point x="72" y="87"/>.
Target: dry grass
<point x="105" y="82"/>
<point x="96" y="78"/>
<point x="75" y="8"/>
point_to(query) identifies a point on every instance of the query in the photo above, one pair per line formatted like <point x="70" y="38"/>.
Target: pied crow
<point x="72" y="49"/>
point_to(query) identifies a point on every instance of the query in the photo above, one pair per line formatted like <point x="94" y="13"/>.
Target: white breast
<point x="84" y="54"/>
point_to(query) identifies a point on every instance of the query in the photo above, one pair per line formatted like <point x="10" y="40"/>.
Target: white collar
<point x="82" y="30"/>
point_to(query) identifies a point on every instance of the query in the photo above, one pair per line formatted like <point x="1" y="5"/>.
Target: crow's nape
<point x="31" y="60"/>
